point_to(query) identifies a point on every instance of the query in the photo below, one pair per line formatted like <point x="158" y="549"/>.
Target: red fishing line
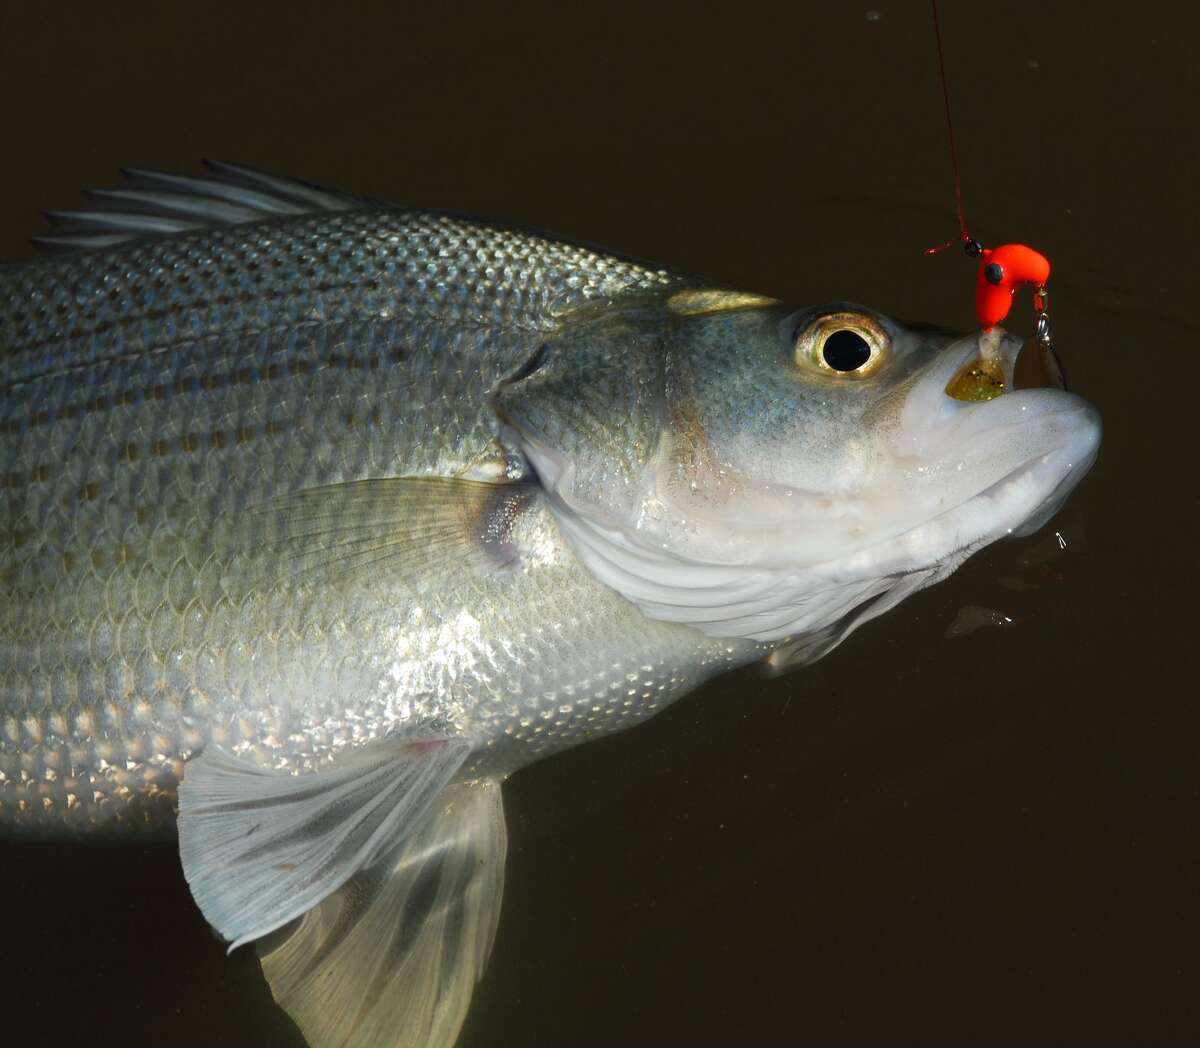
<point x="1003" y="269"/>
<point x="962" y="218"/>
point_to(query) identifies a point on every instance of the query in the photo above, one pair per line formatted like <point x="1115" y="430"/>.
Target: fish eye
<point x="846" y="350"/>
<point x="848" y="345"/>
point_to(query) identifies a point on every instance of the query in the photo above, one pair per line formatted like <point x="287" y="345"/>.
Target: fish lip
<point x="933" y="422"/>
<point x="1082" y="450"/>
<point x="1057" y="470"/>
<point x="1080" y="453"/>
<point x="1003" y="465"/>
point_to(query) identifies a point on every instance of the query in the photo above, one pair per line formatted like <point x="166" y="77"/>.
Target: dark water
<point x="989" y="840"/>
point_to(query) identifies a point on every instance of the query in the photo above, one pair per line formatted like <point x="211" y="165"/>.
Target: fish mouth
<point x="1001" y="366"/>
<point x="1030" y="494"/>
<point x="999" y="464"/>
<point x="1059" y="472"/>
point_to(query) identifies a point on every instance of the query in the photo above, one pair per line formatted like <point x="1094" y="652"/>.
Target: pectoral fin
<point x="260" y="848"/>
<point x="412" y="526"/>
<point x="391" y="958"/>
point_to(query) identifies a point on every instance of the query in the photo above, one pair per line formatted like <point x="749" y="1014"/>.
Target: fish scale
<point x="69" y="311"/>
<point x="155" y="393"/>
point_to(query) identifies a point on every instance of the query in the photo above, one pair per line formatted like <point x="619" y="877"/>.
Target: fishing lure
<point x="1001" y="271"/>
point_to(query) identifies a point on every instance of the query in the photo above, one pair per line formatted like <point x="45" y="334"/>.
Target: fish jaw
<point x="981" y="471"/>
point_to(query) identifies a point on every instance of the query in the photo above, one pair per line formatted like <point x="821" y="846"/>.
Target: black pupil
<point x="846" y="350"/>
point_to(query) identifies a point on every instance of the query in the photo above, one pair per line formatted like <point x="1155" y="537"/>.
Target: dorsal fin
<point x="156" y="203"/>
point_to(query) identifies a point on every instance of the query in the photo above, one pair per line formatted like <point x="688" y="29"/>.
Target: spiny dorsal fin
<point x="156" y="203"/>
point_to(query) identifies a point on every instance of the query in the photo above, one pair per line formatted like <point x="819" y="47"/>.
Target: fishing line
<point x="1003" y="269"/>
<point x="962" y="218"/>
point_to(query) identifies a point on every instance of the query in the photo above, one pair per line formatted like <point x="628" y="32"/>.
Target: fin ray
<point x="158" y="203"/>
<point x="392" y="958"/>
<point x="260" y="848"/>
<point x="315" y="197"/>
<point x="207" y="209"/>
<point x="418" y="526"/>
<point x="119" y="221"/>
<point x="200" y="187"/>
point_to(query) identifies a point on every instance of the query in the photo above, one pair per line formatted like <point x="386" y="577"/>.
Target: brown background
<point x="990" y="840"/>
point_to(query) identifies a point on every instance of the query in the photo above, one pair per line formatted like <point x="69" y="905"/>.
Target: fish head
<point x="766" y="473"/>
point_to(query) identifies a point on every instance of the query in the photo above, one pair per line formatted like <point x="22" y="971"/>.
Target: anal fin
<point x="391" y="959"/>
<point x="260" y="848"/>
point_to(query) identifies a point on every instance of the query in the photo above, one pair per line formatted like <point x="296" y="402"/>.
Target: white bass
<point x="319" y="517"/>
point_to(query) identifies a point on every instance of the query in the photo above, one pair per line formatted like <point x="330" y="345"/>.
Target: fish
<point x="322" y="516"/>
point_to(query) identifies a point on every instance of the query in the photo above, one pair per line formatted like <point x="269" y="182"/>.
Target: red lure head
<point x="1001" y="271"/>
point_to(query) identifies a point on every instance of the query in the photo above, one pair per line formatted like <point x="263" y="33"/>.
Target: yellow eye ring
<point x="842" y="345"/>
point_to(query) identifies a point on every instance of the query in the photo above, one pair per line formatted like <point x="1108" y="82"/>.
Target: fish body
<point x="157" y="401"/>
<point x="320" y="517"/>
